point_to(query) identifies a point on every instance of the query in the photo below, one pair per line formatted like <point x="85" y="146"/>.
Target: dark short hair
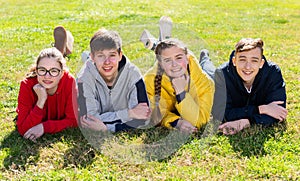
<point x="105" y="40"/>
<point x="246" y="44"/>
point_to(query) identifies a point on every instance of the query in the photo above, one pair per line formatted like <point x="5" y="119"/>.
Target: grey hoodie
<point x="111" y="105"/>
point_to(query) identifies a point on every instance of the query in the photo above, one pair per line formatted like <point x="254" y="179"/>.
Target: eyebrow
<point x="242" y="56"/>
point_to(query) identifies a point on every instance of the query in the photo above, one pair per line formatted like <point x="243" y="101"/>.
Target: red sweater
<point x="60" y="109"/>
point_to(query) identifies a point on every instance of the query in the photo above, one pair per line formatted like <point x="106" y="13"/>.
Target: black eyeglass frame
<point x="47" y="71"/>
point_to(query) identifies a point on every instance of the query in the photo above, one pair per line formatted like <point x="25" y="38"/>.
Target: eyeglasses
<point x="53" y="72"/>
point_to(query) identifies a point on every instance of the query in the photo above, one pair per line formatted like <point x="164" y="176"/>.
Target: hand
<point x="34" y="133"/>
<point x="233" y="127"/>
<point x="93" y="123"/>
<point x="186" y="127"/>
<point x="274" y="110"/>
<point x="42" y="95"/>
<point x="141" y="111"/>
<point x="179" y="83"/>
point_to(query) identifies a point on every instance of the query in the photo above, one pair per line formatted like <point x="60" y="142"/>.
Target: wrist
<point x="130" y="113"/>
<point x="40" y="103"/>
<point x="261" y="109"/>
<point x="179" y="122"/>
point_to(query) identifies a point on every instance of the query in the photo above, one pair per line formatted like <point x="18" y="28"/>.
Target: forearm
<point x="188" y="109"/>
<point x="54" y="126"/>
<point x="28" y="118"/>
<point x="232" y="114"/>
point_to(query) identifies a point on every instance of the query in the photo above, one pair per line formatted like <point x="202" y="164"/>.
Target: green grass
<point x="256" y="153"/>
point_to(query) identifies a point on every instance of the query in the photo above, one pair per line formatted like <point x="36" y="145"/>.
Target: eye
<point x="167" y="60"/>
<point x="179" y="58"/>
<point x="41" y="70"/>
<point x="54" y="71"/>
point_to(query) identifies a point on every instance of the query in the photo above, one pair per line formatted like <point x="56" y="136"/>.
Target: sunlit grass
<point x="256" y="153"/>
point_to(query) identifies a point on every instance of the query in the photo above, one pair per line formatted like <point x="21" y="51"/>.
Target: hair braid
<point x="157" y="83"/>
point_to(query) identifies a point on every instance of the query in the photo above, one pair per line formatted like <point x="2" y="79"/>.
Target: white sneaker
<point x="165" y="27"/>
<point x="85" y="56"/>
<point x="148" y="40"/>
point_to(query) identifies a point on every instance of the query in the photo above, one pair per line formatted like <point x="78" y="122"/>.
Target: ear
<point x="233" y="61"/>
<point x="262" y="63"/>
<point x="92" y="56"/>
<point x="121" y="55"/>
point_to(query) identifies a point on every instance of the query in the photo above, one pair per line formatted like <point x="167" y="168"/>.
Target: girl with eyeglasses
<point x="47" y="98"/>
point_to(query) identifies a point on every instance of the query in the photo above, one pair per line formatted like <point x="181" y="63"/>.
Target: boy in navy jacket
<point x="252" y="89"/>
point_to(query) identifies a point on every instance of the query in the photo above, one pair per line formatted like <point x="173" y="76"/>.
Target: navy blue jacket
<point x="233" y="102"/>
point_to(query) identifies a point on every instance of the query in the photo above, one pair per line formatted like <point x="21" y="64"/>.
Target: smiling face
<point x="247" y="64"/>
<point x="48" y="81"/>
<point x="107" y="63"/>
<point x="174" y="61"/>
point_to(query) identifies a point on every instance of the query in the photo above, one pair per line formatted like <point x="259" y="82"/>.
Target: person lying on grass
<point x="47" y="97"/>
<point x="255" y="89"/>
<point x="113" y="88"/>
<point x="180" y="92"/>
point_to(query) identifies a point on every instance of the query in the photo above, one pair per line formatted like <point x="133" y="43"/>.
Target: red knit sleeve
<point x="29" y="114"/>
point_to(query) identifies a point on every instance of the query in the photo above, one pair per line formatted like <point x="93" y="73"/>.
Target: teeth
<point x="107" y="68"/>
<point x="176" y="70"/>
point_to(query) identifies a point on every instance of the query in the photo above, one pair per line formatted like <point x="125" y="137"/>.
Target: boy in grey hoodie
<point x="113" y="88"/>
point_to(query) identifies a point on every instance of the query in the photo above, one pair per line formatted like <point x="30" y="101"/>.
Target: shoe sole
<point x="148" y="40"/>
<point x="69" y="43"/>
<point x="165" y="27"/>
<point x="60" y="39"/>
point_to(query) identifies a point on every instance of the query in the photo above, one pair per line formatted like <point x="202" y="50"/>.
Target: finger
<point x="222" y="126"/>
<point x="91" y="118"/>
<point x="143" y="104"/>
<point x="27" y="134"/>
<point x="33" y="139"/>
<point x="232" y="132"/>
<point x="278" y="102"/>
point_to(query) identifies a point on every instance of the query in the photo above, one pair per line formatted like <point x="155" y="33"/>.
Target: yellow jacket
<point x="197" y="104"/>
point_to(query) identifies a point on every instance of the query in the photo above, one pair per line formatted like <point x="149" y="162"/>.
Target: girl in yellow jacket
<point x="181" y="94"/>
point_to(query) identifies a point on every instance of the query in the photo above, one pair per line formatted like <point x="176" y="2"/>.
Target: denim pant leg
<point x="207" y="66"/>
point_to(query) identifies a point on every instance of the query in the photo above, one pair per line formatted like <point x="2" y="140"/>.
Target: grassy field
<point x="256" y="153"/>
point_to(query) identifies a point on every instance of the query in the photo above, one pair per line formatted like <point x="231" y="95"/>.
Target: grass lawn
<point x="255" y="153"/>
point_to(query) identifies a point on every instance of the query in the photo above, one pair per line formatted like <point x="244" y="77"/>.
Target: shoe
<point x="165" y="28"/>
<point x="60" y="39"/>
<point x="148" y="40"/>
<point x="85" y="56"/>
<point x="70" y="42"/>
<point x="204" y="53"/>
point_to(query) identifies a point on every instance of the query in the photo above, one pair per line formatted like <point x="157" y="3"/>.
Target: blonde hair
<point x="246" y="44"/>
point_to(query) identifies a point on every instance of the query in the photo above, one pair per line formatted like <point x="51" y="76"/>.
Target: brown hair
<point x="105" y="39"/>
<point x="49" y="53"/>
<point x="246" y="44"/>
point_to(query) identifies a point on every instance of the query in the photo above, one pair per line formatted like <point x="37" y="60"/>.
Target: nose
<point x="47" y="75"/>
<point x="248" y="65"/>
<point x="106" y="60"/>
<point x="174" y="63"/>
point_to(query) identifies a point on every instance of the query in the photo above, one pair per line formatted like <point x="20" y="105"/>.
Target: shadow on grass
<point x="250" y="142"/>
<point x="22" y="153"/>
